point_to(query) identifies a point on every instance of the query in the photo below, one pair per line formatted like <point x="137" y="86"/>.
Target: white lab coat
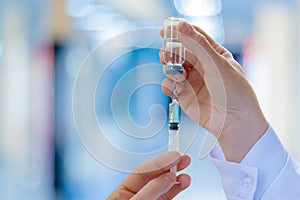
<point x="266" y="173"/>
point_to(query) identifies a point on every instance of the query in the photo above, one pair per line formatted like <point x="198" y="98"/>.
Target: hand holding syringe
<point x="174" y="57"/>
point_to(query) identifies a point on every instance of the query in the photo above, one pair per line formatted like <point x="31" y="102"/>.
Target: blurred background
<point x="44" y="43"/>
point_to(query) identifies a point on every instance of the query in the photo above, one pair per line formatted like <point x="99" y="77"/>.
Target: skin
<point x="214" y="92"/>
<point x="217" y="94"/>
<point x="153" y="179"/>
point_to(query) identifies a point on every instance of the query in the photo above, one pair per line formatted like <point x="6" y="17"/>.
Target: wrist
<point x="240" y="136"/>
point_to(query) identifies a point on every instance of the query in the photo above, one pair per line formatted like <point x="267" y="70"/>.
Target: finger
<point x="167" y="87"/>
<point x="161" y="55"/>
<point x="193" y="80"/>
<point x="198" y="44"/>
<point x="189" y="32"/>
<point x="184" y="182"/>
<point x="185" y="161"/>
<point x="151" y="169"/>
<point x="219" y="48"/>
<point x="129" y="187"/>
<point x="190" y="59"/>
<point x="156" y="187"/>
<point x="161" y="33"/>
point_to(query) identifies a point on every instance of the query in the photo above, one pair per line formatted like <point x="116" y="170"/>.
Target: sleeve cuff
<point x="252" y="177"/>
<point x="239" y="181"/>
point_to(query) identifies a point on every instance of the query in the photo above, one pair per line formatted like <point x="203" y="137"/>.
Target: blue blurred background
<point x="44" y="43"/>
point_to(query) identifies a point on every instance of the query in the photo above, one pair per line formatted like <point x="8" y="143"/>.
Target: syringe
<point x="174" y="56"/>
<point x="174" y="121"/>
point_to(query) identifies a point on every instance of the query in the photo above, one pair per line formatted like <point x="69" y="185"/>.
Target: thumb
<point x="189" y="32"/>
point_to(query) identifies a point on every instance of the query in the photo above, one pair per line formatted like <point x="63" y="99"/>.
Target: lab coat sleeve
<point x="267" y="172"/>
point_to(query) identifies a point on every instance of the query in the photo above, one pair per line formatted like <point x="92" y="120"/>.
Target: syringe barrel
<point x="173" y="140"/>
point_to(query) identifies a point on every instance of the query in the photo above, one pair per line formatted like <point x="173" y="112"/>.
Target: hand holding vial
<point x="209" y="68"/>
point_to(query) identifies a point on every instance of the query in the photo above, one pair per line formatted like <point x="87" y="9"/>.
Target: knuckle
<point x="142" y="174"/>
<point x="164" y="197"/>
<point x="201" y="40"/>
<point x="158" y="166"/>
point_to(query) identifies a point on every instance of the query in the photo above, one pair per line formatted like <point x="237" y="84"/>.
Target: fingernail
<point x="170" y="177"/>
<point x="185" y="28"/>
